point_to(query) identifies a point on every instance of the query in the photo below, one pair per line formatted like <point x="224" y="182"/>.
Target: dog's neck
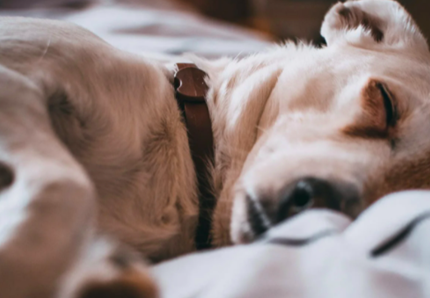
<point x="190" y="93"/>
<point x="236" y="99"/>
<point x="236" y="104"/>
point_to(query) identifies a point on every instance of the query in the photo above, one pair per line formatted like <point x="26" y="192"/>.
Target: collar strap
<point x="190" y="93"/>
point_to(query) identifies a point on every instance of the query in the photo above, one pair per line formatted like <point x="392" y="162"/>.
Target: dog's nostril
<point x="6" y="176"/>
<point x="304" y="194"/>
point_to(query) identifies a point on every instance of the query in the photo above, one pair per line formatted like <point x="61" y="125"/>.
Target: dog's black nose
<point x="308" y="193"/>
<point x="300" y="195"/>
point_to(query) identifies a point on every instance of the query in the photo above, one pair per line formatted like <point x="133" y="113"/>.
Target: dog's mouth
<point x="266" y="211"/>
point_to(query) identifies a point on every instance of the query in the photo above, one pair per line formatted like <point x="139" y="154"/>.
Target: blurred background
<point x="291" y="18"/>
<point x="210" y="28"/>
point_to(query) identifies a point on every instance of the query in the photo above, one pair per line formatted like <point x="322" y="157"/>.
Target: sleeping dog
<point x="96" y="168"/>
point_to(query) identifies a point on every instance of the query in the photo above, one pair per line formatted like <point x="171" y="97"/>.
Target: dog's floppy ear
<point x="367" y="23"/>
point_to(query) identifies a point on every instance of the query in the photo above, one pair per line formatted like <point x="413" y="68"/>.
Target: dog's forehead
<point x="406" y="76"/>
<point x="339" y="65"/>
<point x="389" y="62"/>
<point x="332" y="70"/>
<point x="332" y="80"/>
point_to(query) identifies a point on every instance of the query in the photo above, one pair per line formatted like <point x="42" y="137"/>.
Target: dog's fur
<point x="92" y="142"/>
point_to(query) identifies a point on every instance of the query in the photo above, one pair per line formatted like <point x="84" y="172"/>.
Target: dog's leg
<point x="46" y="201"/>
<point x="47" y="209"/>
<point x="109" y="270"/>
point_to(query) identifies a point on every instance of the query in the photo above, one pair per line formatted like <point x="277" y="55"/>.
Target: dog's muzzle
<point x="298" y="196"/>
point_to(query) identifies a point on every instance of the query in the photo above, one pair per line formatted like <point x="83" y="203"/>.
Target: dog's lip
<point x="259" y="221"/>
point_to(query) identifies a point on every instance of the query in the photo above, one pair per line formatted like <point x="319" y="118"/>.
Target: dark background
<point x="280" y="18"/>
<point x="291" y="18"/>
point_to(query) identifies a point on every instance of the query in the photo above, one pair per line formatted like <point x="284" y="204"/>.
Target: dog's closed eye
<point x="389" y="105"/>
<point x="379" y="113"/>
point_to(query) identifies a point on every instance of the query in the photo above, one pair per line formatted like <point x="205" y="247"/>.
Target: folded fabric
<point x="320" y="253"/>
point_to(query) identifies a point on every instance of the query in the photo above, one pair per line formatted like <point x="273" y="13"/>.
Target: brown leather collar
<point x="190" y="93"/>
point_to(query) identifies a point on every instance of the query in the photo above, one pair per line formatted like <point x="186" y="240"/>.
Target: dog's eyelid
<point x="389" y="104"/>
<point x="379" y="116"/>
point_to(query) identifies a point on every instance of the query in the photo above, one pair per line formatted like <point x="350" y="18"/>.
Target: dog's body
<point x="94" y="140"/>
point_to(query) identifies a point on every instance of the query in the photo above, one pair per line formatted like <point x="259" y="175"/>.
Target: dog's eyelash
<point x="389" y="105"/>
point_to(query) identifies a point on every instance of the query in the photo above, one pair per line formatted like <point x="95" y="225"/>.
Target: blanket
<point x="385" y="253"/>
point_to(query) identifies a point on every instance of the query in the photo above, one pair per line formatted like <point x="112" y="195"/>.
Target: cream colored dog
<point x="92" y="144"/>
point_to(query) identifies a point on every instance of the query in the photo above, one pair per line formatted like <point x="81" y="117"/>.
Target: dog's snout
<point x="298" y="196"/>
<point x="307" y="193"/>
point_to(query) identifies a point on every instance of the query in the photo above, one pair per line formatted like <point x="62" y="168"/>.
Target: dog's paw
<point x="108" y="270"/>
<point x="129" y="284"/>
<point x="349" y="16"/>
<point x="370" y="23"/>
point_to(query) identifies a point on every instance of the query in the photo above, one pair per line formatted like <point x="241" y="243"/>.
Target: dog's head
<point x="344" y="124"/>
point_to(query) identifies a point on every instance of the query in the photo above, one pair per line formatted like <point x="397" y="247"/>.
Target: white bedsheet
<point x="385" y="253"/>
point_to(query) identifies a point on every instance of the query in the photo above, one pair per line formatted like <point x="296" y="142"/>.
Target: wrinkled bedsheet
<point x="147" y="26"/>
<point x="385" y="253"/>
